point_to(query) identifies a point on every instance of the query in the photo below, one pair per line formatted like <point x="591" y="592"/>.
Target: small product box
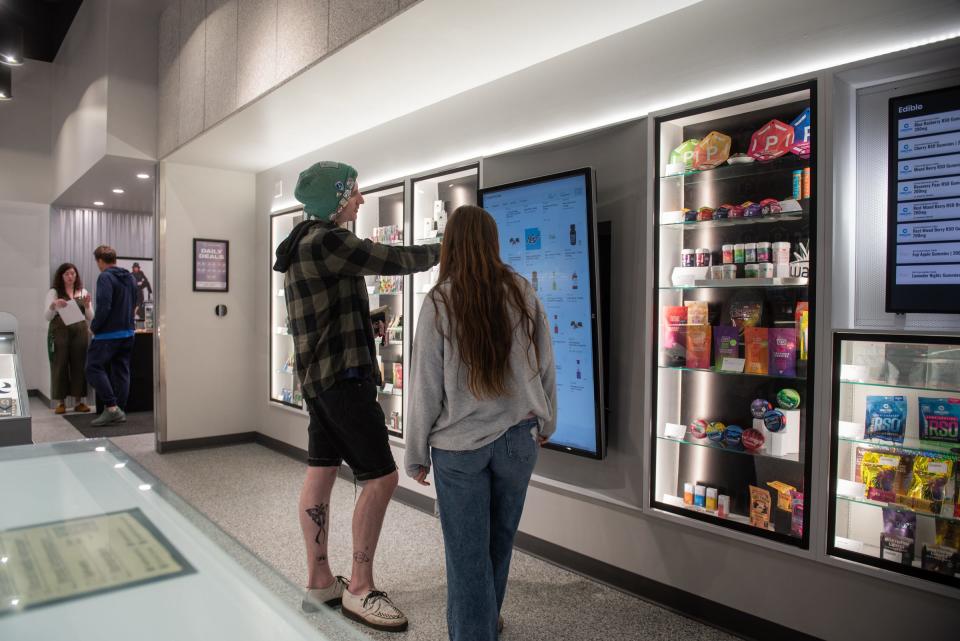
<point x="784" y="442"/>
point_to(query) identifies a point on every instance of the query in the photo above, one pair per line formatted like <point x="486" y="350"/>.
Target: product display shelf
<point x="750" y="324"/>
<point x="741" y="283"/>
<point x="792" y="216"/>
<point x="726" y="373"/>
<point x="792" y="458"/>
<point x="740" y="171"/>
<point x="862" y="500"/>
<point x="909" y="445"/>
<point x="879" y="381"/>
<point x="429" y="241"/>
<point x="937" y="389"/>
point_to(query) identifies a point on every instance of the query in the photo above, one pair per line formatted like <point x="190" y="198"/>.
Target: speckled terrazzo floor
<point x="251" y="493"/>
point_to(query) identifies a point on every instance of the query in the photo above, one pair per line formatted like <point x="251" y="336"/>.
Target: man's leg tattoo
<point x="361" y="557"/>
<point x="318" y="514"/>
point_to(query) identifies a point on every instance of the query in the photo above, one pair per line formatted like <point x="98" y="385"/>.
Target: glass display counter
<point x="15" y="422"/>
<point x="381" y="219"/>
<point x="284" y="383"/>
<point x="734" y="272"/>
<point x="895" y="453"/>
<point x="98" y="547"/>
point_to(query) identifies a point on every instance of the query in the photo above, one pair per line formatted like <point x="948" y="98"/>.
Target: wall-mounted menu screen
<point x="923" y="227"/>
<point x="547" y="234"/>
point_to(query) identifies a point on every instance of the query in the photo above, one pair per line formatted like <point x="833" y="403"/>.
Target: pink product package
<point x="783" y="351"/>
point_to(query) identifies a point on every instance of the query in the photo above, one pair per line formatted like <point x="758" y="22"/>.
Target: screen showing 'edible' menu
<point x="547" y="235"/>
<point x="923" y="227"/>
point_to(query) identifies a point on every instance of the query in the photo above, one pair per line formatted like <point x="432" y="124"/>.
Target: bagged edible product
<point x="783" y="351"/>
<point x="746" y="313"/>
<point x="899" y="534"/>
<point x="886" y="418"/>
<point x="803" y="323"/>
<point x="878" y="473"/>
<point x="674" y="336"/>
<point x="948" y="533"/>
<point x="760" y="504"/>
<point x="698" y="312"/>
<point x="726" y="344"/>
<point x="698" y="346"/>
<point x="757" y="350"/>
<point x="896" y="548"/>
<point x="796" y="516"/>
<point x="940" y="559"/>
<point x="927" y="487"/>
<point x="940" y="419"/>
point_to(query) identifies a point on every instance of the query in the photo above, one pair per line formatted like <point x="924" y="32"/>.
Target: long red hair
<point x="483" y="290"/>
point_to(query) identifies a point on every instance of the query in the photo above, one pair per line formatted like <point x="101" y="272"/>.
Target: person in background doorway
<point x="142" y="284"/>
<point x="485" y="399"/>
<point x="67" y="344"/>
<point x="329" y="318"/>
<point x="113" y="332"/>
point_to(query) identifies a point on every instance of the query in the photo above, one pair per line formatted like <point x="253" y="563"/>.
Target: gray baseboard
<point x="165" y="447"/>
<point x="35" y="393"/>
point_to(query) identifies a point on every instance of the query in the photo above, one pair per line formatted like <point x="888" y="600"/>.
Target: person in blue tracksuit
<point x="113" y="331"/>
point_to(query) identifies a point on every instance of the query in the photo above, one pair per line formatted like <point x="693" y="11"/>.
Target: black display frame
<point x="589" y="176"/>
<point x="923" y="299"/>
<point x="802" y="542"/>
<point x="226" y="260"/>
<point x="832" y="550"/>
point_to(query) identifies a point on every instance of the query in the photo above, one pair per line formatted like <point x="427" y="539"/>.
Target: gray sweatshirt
<point x="443" y="413"/>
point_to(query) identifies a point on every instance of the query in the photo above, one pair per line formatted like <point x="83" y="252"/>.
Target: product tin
<point x="703" y="257"/>
<point x="764" y="254"/>
<point x="797" y="184"/>
<point x="738" y="253"/>
<point x="698" y="428"/>
<point x="751" y="270"/>
<point x="775" y="420"/>
<point x="750" y="252"/>
<point x="765" y="269"/>
<point x="788" y="399"/>
<point x="687" y="257"/>
<point x="729" y="272"/>
<point x="727" y="254"/>
<point x="781" y="253"/>
<point x="759" y="407"/>
<point x="715" y="431"/>
<point x="753" y="439"/>
<point x="733" y="436"/>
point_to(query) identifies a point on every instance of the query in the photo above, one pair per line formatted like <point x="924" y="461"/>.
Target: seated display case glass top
<point x="735" y="207"/>
<point x="381" y="219"/>
<point x="98" y="547"/>
<point x="896" y="449"/>
<point x="284" y="382"/>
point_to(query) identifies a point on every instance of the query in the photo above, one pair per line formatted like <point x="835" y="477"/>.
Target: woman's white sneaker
<point x="374" y="609"/>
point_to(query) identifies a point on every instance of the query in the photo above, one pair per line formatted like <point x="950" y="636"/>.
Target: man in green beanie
<point x="329" y="319"/>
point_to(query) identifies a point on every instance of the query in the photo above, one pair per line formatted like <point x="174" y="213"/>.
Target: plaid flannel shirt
<point x="328" y="309"/>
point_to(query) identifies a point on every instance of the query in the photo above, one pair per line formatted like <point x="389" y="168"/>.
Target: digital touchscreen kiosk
<point x="547" y="234"/>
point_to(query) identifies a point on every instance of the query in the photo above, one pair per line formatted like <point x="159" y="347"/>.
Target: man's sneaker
<point x="329" y="596"/>
<point x="109" y="418"/>
<point x="374" y="609"/>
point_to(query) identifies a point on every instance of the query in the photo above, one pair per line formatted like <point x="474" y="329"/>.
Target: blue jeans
<point x="480" y="494"/>
<point x="113" y="353"/>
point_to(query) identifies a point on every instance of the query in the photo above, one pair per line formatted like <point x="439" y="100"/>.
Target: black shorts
<point x="347" y="424"/>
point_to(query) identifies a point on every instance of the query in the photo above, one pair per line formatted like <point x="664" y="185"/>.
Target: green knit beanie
<point x="325" y="188"/>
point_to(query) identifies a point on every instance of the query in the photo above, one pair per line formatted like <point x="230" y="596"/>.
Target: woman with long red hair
<point x="485" y="399"/>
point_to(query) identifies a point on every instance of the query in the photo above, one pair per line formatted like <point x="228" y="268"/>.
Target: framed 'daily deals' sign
<point x="211" y="265"/>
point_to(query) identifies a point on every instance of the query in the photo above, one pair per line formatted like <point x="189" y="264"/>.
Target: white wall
<point x="25" y="163"/>
<point x="209" y="368"/>
<point x="24" y="281"/>
<point x="80" y="100"/>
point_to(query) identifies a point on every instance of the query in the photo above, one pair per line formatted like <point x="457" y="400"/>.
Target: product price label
<point x="931" y="124"/>
<point x="929" y="188"/>
<point x="928" y="253"/>
<point x="928" y="167"/>
<point x="929" y="145"/>
<point x="918" y="232"/>
<point x="928" y="275"/>
<point x="928" y="210"/>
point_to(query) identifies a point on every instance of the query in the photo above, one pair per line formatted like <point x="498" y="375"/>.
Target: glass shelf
<point x="676" y="501"/>
<point x="710" y="445"/>
<point x="734" y="222"/>
<point x="784" y="164"/>
<point x="936" y="390"/>
<point x="429" y="241"/>
<point x="396" y="392"/>
<point x="865" y="501"/>
<point x="946" y="450"/>
<point x="743" y="283"/>
<point x="718" y="371"/>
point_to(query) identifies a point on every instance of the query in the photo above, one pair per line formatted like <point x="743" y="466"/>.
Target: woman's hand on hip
<point x="421" y="476"/>
<point x="542" y="440"/>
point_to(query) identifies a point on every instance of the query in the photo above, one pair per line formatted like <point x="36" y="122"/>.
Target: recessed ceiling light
<point x="143" y="176"/>
<point x="118" y="191"/>
<point x="98" y="203"/>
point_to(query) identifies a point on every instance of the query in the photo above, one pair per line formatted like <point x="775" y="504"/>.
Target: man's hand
<point x="542" y="440"/>
<point x="421" y="476"/>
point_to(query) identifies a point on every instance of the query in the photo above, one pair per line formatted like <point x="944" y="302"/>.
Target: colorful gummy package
<point x="878" y="473"/>
<point x="886" y="418"/>
<point x="940" y="419"/>
<point x="928" y="484"/>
